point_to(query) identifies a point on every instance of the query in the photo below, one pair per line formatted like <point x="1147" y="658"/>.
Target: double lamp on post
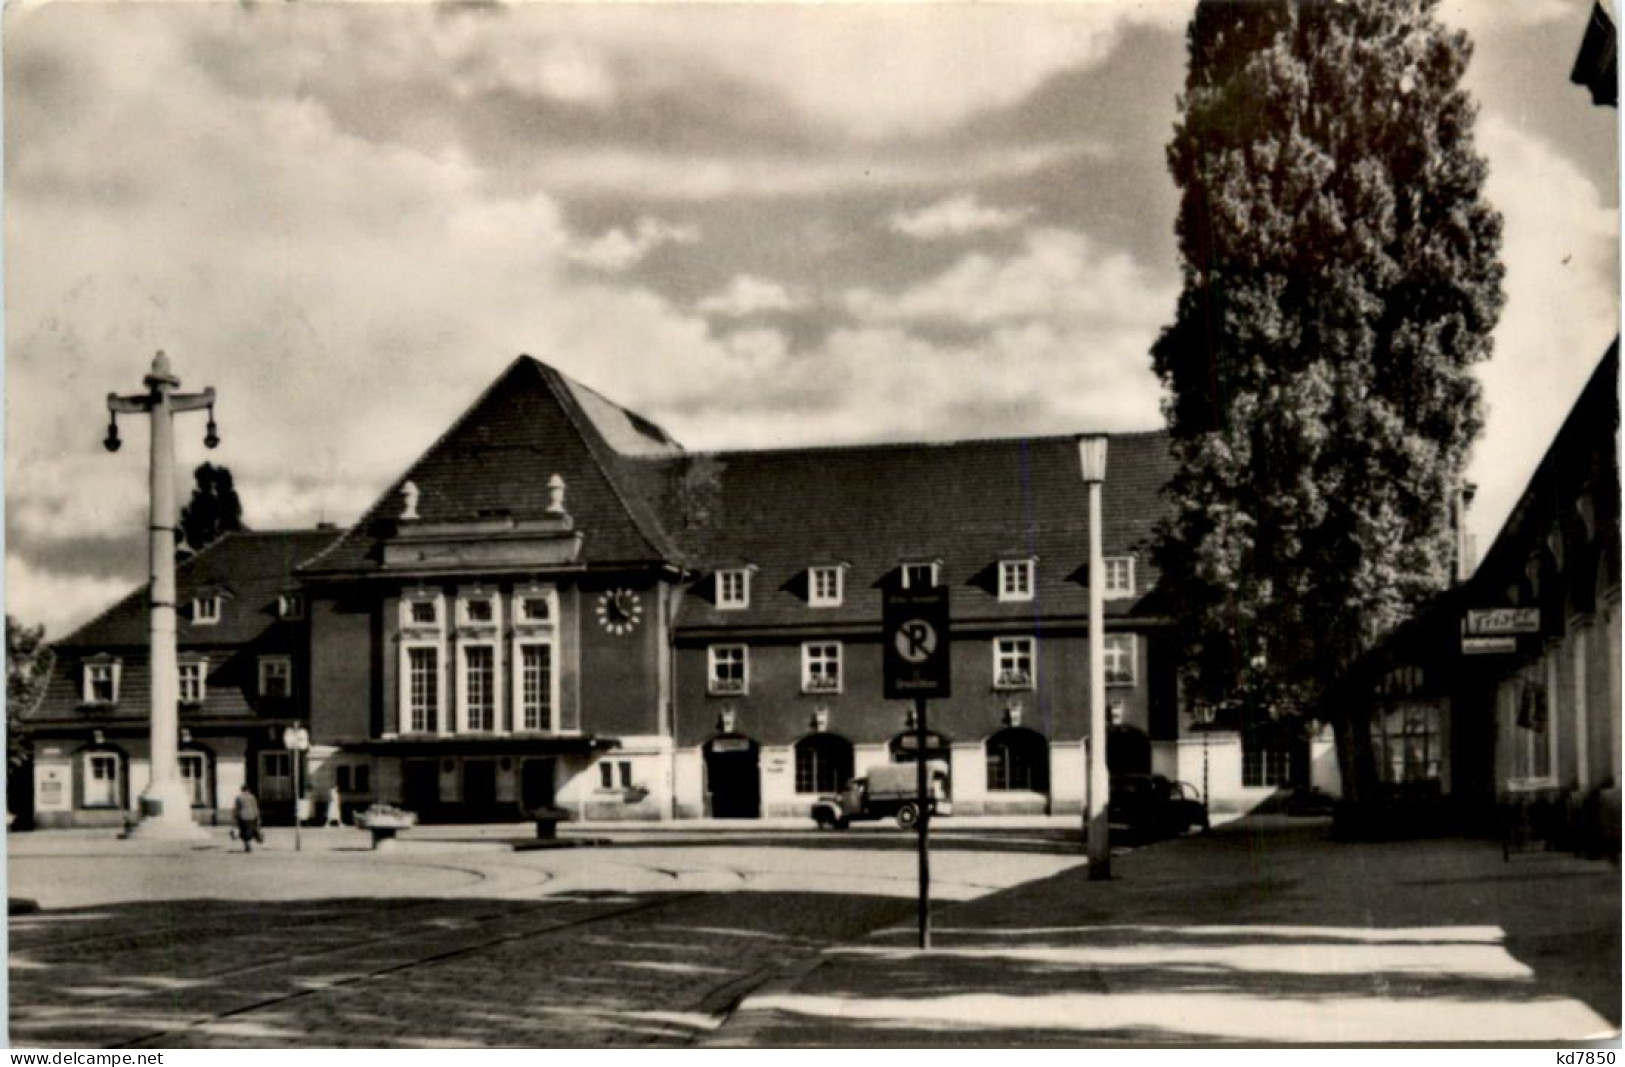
<point x="1096" y="824"/>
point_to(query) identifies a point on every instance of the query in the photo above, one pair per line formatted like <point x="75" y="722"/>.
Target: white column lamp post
<point x="1097" y="827"/>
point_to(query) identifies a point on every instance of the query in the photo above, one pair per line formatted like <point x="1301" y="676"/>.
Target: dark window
<point x="823" y="763"/>
<point x="1017" y="759"/>
<point x="1266" y="761"/>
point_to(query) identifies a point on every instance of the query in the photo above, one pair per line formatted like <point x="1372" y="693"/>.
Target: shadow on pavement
<point x="581" y="969"/>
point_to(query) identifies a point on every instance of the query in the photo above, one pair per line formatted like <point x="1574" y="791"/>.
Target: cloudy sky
<point x="760" y="226"/>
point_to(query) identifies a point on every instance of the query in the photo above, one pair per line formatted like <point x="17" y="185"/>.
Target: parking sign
<point x="916" y="643"/>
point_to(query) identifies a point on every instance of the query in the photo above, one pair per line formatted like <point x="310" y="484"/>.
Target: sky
<point x="760" y="225"/>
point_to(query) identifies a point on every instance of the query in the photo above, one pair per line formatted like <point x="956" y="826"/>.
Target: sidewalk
<point x="1265" y="931"/>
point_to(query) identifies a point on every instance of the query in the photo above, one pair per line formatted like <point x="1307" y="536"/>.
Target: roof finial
<point x="555" y="495"/>
<point x="409" y="492"/>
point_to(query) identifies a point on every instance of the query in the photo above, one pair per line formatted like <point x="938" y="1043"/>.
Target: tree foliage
<point x="28" y="666"/>
<point x="214" y="508"/>
<point x="1341" y="279"/>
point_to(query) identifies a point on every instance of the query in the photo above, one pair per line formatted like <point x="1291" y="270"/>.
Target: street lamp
<point x="1097" y="825"/>
<point x="166" y="805"/>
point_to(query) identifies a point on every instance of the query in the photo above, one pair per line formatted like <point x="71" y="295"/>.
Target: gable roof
<point x="255" y="566"/>
<point x="497" y="458"/>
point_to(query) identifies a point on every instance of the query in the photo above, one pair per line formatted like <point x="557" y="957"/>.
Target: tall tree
<point x="214" y="508"/>
<point x="1341" y="279"/>
<point x="28" y="665"/>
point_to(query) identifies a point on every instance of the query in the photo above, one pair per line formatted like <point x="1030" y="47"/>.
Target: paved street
<point x="1265" y="931"/>
<point x="453" y="939"/>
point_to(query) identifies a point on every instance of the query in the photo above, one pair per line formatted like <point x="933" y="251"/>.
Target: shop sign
<point x="1487" y="622"/>
<point x="1488" y="646"/>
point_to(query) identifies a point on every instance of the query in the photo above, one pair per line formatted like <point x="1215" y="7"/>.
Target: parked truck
<point x="886" y="791"/>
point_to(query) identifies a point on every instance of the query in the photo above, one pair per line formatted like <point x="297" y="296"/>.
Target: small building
<point x="243" y="653"/>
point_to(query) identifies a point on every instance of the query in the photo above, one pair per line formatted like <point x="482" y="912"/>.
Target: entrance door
<point x="276" y="777"/>
<point x="420" y="785"/>
<point x="733" y="778"/>
<point x="480" y="784"/>
<point x="536" y="784"/>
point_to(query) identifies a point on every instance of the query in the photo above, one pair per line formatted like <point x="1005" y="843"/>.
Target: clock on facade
<point x="620" y="611"/>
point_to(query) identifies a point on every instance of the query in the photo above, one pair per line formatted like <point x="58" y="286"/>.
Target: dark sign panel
<point x="916" y="643"/>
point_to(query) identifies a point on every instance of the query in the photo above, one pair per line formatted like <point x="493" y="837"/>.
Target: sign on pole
<point x="916" y="643"/>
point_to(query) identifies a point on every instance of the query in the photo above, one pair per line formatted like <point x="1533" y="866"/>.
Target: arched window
<point x="823" y="763"/>
<point x="1017" y="759"/>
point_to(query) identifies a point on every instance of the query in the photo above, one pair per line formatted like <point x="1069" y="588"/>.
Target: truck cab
<point x="889" y="791"/>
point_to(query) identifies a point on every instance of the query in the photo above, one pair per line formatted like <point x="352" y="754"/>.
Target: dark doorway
<point x="536" y="784"/>
<point x="1128" y="750"/>
<point x="420" y="785"/>
<point x="480" y="784"/>
<point x="733" y="777"/>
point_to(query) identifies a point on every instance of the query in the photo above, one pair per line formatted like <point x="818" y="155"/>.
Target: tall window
<point x="1119" y="577"/>
<point x="1408" y="742"/>
<point x="423" y="689"/>
<point x="195" y="776"/>
<point x="1266" y="759"/>
<point x="101" y="780"/>
<point x="479" y="687"/>
<point x="276" y="775"/>
<point x="191" y="683"/>
<point x="823" y="763"/>
<point x="821" y="667"/>
<point x="536" y="687"/>
<point x="729" y="669"/>
<point x="1013" y="663"/>
<point x="1016" y="579"/>
<point x="1119" y="649"/>
<point x="1528" y="728"/>
<point x="276" y="677"/>
<point x="824" y="587"/>
<point x="733" y="588"/>
<point x="1017" y="759"/>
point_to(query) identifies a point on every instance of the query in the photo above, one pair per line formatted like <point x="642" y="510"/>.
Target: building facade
<point x="243" y="645"/>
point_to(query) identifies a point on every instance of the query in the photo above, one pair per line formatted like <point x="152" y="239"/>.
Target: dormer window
<point x="1016" y="579"/>
<point x="1119" y="577"/>
<point x="920" y="575"/>
<point x="276" y="677"/>
<point x="733" y="589"/>
<point x="193" y="681"/>
<point x="206" y="610"/>
<point x="290" y="606"/>
<point x="824" y="587"/>
<point x="101" y="681"/>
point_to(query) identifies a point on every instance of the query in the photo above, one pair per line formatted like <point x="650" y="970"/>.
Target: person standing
<point x="247" y="811"/>
<point x="335" y="808"/>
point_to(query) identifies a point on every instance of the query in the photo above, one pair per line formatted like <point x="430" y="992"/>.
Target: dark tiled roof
<point x="497" y="458"/>
<point x="968" y="504"/>
<point x="249" y="569"/>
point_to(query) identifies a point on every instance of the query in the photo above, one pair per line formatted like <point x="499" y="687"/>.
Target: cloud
<point x="61" y="602"/>
<point x="957" y="216"/>
<point x="618" y="250"/>
<point x="747" y="295"/>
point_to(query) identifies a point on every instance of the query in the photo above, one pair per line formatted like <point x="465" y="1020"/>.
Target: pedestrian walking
<point x="335" y="808"/>
<point x="247" y="811"/>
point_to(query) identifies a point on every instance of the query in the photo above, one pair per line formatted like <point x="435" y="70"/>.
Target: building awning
<point x="484" y="745"/>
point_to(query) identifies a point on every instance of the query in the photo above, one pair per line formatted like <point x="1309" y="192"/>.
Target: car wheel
<point x="824" y="819"/>
<point x="907" y="816"/>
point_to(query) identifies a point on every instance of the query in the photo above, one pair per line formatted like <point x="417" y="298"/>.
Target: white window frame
<point x="463" y="709"/>
<point x="1001" y="679"/>
<point x="548" y="717"/>
<point x="286" y="663"/>
<point x="89" y="760"/>
<point x="1017" y="577"/>
<point x="199" y="667"/>
<point x="113" y="668"/>
<point x="1115" y="567"/>
<point x="915" y="565"/>
<point x="1125" y="647"/>
<point x="714" y="683"/>
<point x="200" y="794"/>
<point x="290" y="606"/>
<point x="729" y="600"/>
<point x="818" y="598"/>
<point x="466" y="599"/>
<point x="523" y="599"/>
<point x="404" y="686"/>
<point x="206" y="610"/>
<point x="820" y="652"/>
<point x="1526" y="739"/>
<point x="436" y="598"/>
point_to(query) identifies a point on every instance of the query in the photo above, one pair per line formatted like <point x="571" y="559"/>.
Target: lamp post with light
<point x="166" y="805"/>
<point x="1097" y="824"/>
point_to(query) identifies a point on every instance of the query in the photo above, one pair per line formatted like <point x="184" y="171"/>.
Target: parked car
<point x="885" y="791"/>
<point x="1150" y="806"/>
